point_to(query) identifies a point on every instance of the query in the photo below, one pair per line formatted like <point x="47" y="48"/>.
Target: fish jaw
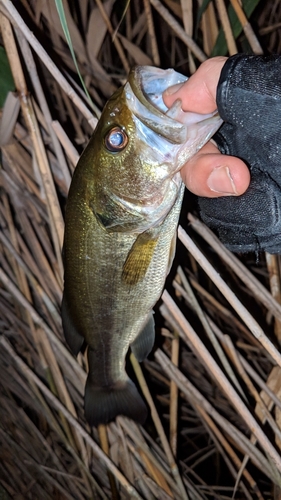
<point x="165" y="140"/>
<point x="174" y="135"/>
<point x="140" y="192"/>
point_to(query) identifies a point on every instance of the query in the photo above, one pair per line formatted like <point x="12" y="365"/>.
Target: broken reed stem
<point x="216" y="434"/>
<point x="21" y="277"/>
<point x="49" y="297"/>
<point x="247" y="28"/>
<point x="102" y="430"/>
<point x="243" y="443"/>
<point x="78" y="372"/>
<point x="49" y="363"/>
<point x="115" y="40"/>
<point x="158" y="425"/>
<point x="210" y="30"/>
<point x="179" y="31"/>
<point x="241" y="310"/>
<point x="70" y="150"/>
<point x="266" y="415"/>
<point x="260" y="382"/>
<point x="140" y="445"/>
<point x="206" y="325"/>
<point x="255" y="286"/>
<point x="221" y="379"/>
<point x="32" y="70"/>
<point x="174" y="396"/>
<point x="273" y="267"/>
<point x="55" y="216"/>
<point x="187" y="19"/>
<point x="36" y="468"/>
<point x="55" y="403"/>
<point x="226" y="26"/>
<point x="151" y="31"/>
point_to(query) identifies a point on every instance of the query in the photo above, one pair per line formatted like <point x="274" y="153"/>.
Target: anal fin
<point x="144" y="342"/>
<point x="72" y="337"/>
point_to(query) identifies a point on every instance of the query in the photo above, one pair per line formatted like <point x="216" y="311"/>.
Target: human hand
<point x="208" y="173"/>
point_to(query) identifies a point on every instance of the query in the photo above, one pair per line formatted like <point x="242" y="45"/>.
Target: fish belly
<point x="106" y="313"/>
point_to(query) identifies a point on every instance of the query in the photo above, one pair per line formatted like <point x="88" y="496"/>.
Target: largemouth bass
<point x="120" y="233"/>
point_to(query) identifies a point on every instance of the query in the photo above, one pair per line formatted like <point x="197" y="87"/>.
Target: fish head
<point x="138" y="149"/>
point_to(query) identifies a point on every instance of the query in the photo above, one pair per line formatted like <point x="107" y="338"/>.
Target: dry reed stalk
<point x="174" y="398"/>
<point x="220" y="378"/>
<point x="248" y="30"/>
<point x="204" y="420"/>
<point x="151" y="31"/>
<point x="231" y="44"/>
<point x="18" y="21"/>
<point x="72" y="421"/>
<point x="236" y="304"/>
<point x="47" y="181"/>
<point x="254" y="285"/>
<point x="158" y="425"/>
<point x="105" y="448"/>
<point x="114" y="39"/>
<point x="178" y="30"/>
<point x="273" y="267"/>
<point x="32" y="70"/>
<point x="209" y="26"/>
<point x="205" y="323"/>
<point x="242" y="443"/>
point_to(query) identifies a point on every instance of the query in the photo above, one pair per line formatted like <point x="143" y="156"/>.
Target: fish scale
<point x="120" y="230"/>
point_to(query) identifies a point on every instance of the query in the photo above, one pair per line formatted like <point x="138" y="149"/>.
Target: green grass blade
<point x="220" y="48"/>
<point x="64" y="25"/>
<point x="6" y="78"/>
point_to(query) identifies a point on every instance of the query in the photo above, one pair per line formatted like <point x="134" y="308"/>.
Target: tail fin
<point x="103" y="404"/>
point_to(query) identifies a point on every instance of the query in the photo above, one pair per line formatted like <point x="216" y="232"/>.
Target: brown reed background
<point x="213" y="384"/>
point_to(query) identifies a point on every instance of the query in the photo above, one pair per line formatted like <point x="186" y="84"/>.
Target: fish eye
<point x="116" y="139"/>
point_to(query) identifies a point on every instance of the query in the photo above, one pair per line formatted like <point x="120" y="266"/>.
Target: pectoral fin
<point x="140" y="256"/>
<point x="143" y="344"/>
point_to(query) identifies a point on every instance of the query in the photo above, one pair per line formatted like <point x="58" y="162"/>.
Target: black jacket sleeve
<point x="249" y="101"/>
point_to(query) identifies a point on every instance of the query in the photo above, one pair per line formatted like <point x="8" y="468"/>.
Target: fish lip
<point x="154" y="116"/>
<point x="144" y="90"/>
<point x="149" y="80"/>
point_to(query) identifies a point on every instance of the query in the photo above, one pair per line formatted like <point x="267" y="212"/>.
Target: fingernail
<point x="220" y="181"/>
<point x="173" y="89"/>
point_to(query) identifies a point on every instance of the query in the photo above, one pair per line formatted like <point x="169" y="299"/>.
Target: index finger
<point x="198" y="94"/>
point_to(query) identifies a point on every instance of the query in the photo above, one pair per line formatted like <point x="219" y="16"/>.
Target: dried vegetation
<point x="213" y="383"/>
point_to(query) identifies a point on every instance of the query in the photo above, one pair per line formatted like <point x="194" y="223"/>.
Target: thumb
<point x="212" y="174"/>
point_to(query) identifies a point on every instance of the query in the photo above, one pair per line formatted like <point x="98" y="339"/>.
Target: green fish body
<point x="120" y="231"/>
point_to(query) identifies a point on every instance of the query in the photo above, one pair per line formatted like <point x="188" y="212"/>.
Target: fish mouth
<point x="148" y="84"/>
<point x="189" y="131"/>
